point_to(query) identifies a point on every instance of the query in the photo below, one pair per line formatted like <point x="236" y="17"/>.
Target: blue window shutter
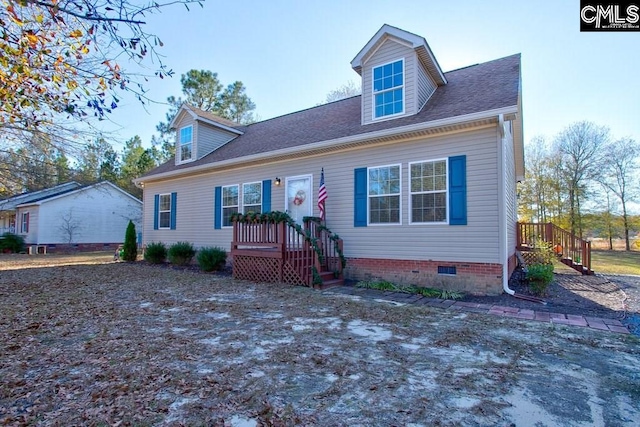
<point x="360" y="198"/>
<point x="174" y="205"/>
<point x="458" y="190"/>
<point x="217" y="208"/>
<point x="156" y="207"/>
<point x="266" y="195"/>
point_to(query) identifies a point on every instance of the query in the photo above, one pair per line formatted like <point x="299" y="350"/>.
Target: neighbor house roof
<point x="490" y="86"/>
<point x="72" y="191"/>
<point x="10" y="203"/>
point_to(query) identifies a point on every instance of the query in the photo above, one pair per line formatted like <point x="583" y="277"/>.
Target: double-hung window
<point x="384" y="194"/>
<point x="164" y="211"/>
<point x="229" y="203"/>
<point x="252" y="197"/>
<point x="428" y="187"/>
<point x="388" y="89"/>
<point x="185" y="136"/>
<point x="25" y="222"/>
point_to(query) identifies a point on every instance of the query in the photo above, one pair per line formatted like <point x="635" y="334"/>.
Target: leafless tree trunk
<point x="70" y="227"/>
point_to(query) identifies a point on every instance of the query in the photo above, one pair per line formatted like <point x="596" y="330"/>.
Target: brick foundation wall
<point x="80" y="247"/>
<point x="472" y="278"/>
<point x="513" y="263"/>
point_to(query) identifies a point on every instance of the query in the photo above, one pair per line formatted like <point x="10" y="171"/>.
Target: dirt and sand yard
<point x="107" y="343"/>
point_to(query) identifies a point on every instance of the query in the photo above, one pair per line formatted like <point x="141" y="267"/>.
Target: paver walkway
<point x="602" y="324"/>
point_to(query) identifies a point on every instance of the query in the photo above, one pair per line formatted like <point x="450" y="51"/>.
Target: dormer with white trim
<point x="399" y="74"/>
<point x="199" y="133"/>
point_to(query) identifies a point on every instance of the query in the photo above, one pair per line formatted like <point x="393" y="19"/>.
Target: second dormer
<point x="399" y="74"/>
<point x="199" y="133"/>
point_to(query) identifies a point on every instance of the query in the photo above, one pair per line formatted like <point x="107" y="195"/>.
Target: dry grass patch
<point x="131" y="344"/>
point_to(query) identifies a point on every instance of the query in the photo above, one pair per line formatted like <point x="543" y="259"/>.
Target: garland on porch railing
<point x="278" y="217"/>
<point x="333" y="237"/>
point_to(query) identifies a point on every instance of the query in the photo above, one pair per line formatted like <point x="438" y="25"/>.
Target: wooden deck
<point x="278" y="252"/>
<point x="571" y="249"/>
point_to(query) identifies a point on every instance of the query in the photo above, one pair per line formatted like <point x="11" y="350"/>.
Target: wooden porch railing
<point x="269" y="251"/>
<point x="573" y="250"/>
<point x="329" y="244"/>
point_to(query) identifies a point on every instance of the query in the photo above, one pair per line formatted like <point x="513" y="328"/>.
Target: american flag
<point x="322" y="195"/>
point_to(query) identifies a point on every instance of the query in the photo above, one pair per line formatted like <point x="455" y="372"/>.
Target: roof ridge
<point x="304" y="109"/>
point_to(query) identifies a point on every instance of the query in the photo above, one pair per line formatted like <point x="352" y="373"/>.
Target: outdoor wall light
<point x="278" y="181"/>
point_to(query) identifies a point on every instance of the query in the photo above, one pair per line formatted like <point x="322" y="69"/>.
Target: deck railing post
<point x="548" y="232"/>
<point x="235" y="231"/>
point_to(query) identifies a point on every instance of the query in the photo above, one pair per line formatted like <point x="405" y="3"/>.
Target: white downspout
<point x="502" y="200"/>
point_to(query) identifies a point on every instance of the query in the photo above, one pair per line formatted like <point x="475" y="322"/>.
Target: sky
<point x="290" y="54"/>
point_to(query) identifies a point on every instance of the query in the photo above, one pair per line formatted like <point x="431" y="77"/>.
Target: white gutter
<point x="457" y="120"/>
<point x="502" y="195"/>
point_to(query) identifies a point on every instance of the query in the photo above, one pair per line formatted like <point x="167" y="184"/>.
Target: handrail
<point x="567" y="245"/>
<point x="330" y="246"/>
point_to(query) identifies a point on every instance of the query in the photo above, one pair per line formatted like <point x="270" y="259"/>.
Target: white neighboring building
<point x="92" y="217"/>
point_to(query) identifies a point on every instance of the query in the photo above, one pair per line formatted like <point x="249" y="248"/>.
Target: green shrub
<point x="130" y="247"/>
<point x="540" y="277"/>
<point x="12" y="243"/>
<point x="181" y="253"/>
<point x="210" y="259"/>
<point x="545" y="253"/>
<point x="155" y="253"/>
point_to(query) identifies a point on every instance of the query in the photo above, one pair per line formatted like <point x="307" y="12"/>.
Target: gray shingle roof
<point x="481" y="87"/>
<point x="215" y="118"/>
<point x="35" y="196"/>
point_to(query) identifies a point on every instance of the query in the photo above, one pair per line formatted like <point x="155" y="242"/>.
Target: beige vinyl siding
<point x="426" y="86"/>
<point x="510" y="189"/>
<point x="211" y="138"/>
<point x="389" y="51"/>
<point x="187" y="120"/>
<point x="475" y="242"/>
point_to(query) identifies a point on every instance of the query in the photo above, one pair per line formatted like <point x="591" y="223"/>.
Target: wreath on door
<point x="299" y="198"/>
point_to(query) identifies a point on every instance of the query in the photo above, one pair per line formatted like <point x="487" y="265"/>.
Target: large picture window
<point x="388" y="89"/>
<point x="164" y="211"/>
<point x="384" y="194"/>
<point x="229" y="204"/>
<point x="186" y="143"/>
<point x="252" y="197"/>
<point x="428" y="191"/>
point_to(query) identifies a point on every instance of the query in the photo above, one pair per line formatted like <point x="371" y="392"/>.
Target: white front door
<point x="299" y="197"/>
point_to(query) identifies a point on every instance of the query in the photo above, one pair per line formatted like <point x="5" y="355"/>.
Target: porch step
<point x="329" y="280"/>
<point x="577" y="266"/>
<point x="326" y="284"/>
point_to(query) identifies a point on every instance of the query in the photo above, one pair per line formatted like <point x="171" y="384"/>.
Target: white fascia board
<point x="336" y="142"/>
<point x="183" y="108"/>
<point x="385" y="29"/>
<point x="416" y="43"/>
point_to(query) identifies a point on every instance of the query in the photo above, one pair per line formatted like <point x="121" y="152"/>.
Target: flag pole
<point x="322" y="197"/>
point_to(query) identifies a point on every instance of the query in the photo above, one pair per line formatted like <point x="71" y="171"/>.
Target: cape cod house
<point x="420" y="170"/>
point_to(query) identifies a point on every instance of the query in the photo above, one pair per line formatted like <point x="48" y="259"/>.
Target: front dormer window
<point x="185" y="151"/>
<point x="388" y="89"/>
